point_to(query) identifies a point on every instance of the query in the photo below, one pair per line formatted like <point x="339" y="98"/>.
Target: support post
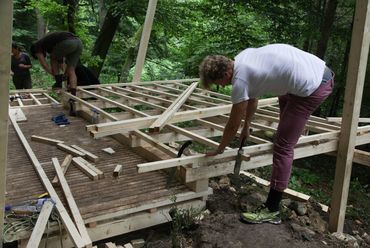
<point x="351" y="111"/>
<point x="6" y="20"/>
<point x="144" y="40"/>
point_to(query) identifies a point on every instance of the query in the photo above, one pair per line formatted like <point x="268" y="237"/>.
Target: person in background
<point x="301" y="80"/>
<point x="20" y="66"/>
<point x="59" y="45"/>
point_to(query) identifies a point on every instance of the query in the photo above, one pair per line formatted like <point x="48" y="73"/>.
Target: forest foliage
<point x="184" y="31"/>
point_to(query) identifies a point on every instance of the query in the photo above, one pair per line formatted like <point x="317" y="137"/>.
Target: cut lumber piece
<point x="339" y="119"/>
<point x="72" y="204"/>
<point x="18" y="114"/>
<point x="46" y="140"/>
<point x="110" y="245"/>
<point x="108" y="150"/>
<point x="37" y="102"/>
<point x="172" y="109"/>
<point x="67" y="221"/>
<point x="138" y="243"/>
<point x="70" y="150"/>
<point x="291" y="193"/>
<point x="85" y="169"/>
<point x="41" y="222"/>
<point x="128" y="245"/>
<point x="118" y="170"/>
<point x="92" y="167"/>
<point x="88" y="155"/>
<point x="361" y="157"/>
<point x="67" y="161"/>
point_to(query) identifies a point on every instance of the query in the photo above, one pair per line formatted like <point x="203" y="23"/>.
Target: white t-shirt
<point x="275" y="69"/>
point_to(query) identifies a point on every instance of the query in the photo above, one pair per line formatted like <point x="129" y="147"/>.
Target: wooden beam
<point x="40" y="225"/>
<point x="97" y="86"/>
<point x="72" y="204"/>
<point x="339" y="119"/>
<point x="85" y="169"/>
<point x="37" y="102"/>
<point x="106" y="129"/>
<point x="68" y="223"/>
<point x="145" y="35"/>
<point x="46" y="140"/>
<point x="118" y="170"/>
<point x="313" y="143"/>
<point x="65" y="165"/>
<point x="70" y="150"/>
<point x="172" y="109"/>
<point x="6" y="20"/>
<point x="92" y="167"/>
<point x="351" y="111"/>
<point x="88" y="155"/>
<point x="361" y="157"/>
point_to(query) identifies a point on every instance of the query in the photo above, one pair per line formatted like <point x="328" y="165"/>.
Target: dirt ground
<point x="304" y="224"/>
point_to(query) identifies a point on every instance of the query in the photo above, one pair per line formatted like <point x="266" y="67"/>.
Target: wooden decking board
<point x="137" y="188"/>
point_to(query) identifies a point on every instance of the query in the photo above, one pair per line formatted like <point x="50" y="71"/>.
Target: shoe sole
<point x="275" y="222"/>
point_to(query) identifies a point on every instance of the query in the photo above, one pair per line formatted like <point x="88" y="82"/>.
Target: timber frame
<point x="209" y="111"/>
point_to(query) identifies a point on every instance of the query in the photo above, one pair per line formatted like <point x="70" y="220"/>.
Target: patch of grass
<point x="182" y="220"/>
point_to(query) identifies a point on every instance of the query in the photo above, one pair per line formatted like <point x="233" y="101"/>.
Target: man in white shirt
<point x="301" y="80"/>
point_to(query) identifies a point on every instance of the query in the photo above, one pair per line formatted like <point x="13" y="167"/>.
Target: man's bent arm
<point x="233" y="124"/>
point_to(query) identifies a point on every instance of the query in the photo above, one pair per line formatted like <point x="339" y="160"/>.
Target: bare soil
<point x="221" y="226"/>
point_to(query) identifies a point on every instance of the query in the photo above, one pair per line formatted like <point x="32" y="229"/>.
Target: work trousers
<point x="294" y="113"/>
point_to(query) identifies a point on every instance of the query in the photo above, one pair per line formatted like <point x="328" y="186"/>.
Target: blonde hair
<point x="213" y="67"/>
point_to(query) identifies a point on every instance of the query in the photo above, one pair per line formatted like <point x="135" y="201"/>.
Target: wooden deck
<point x="99" y="200"/>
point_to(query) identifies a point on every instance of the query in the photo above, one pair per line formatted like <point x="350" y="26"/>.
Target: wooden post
<point x="352" y="103"/>
<point x="144" y="40"/>
<point x="6" y="20"/>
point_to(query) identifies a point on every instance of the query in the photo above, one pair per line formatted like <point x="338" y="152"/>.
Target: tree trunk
<point x="102" y="13"/>
<point x="326" y="27"/>
<point x="339" y="91"/>
<point x="41" y="25"/>
<point x="131" y="55"/>
<point x="71" y="11"/>
<point x="104" y="39"/>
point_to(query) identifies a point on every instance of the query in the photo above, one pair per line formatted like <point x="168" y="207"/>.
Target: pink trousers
<point x="294" y="113"/>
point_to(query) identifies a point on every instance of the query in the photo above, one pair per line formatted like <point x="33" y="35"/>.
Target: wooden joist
<point x="70" y="150"/>
<point x="40" y="225"/>
<point x="105" y="129"/>
<point x="88" y="155"/>
<point x="66" y="162"/>
<point x="172" y="109"/>
<point x="72" y="204"/>
<point x="339" y="119"/>
<point x="46" y="140"/>
<point x="85" y="169"/>
<point x="92" y="167"/>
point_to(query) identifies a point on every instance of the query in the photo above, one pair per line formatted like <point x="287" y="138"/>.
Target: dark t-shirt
<point x="18" y="71"/>
<point x="47" y="43"/>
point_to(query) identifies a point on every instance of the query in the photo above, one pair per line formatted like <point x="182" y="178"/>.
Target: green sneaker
<point x="261" y="215"/>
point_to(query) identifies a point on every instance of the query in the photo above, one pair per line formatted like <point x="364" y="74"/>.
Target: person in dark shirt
<point x="59" y="45"/>
<point x="20" y="67"/>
